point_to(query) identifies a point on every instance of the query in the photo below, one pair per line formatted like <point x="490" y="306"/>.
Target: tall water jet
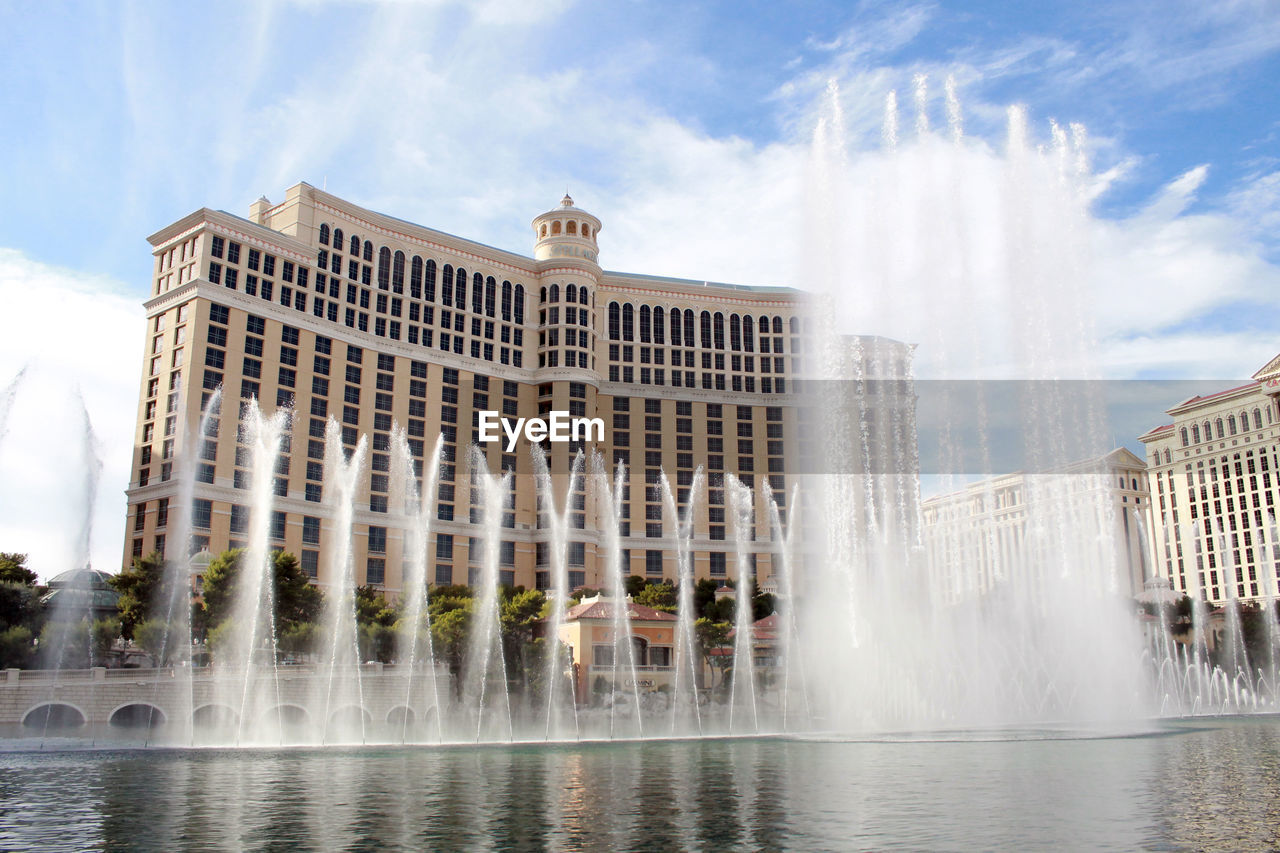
<point x="6" y="402"/>
<point x="487" y="695"/>
<point x="685" y="707"/>
<point x="742" y="526"/>
<point x="786" y="543"/>
<point x="609" y="511"/>
<point x="560" y="690"/>
<point x="419" y="512"/>
<point x="173" y="606"/>
<point x="343" y="714"/>
<point x="251" y="640"/>
<point x="73" y="605"/>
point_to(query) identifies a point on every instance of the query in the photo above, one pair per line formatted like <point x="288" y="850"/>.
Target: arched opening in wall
<point x="402" y="715"/>
<point x="543" y="231"/>
<point x="586" y="230"/>
<point x="324" y="234"/>
<point x="572" y="228"/>
<point x="348" y="723"/>
<point x="555" y="227"/>
<point x="53" y="715"/>
<point x="215" y="717"/>
<point x="286" y="716"/>
<point x="137" y="715"/>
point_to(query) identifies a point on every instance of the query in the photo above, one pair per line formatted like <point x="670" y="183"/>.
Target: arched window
<point x="1221" y="432"/>
<point x="571" y="293"/>
<point x="368" y="251"/>
<point x="1231" y="424"/>
<point x="429" y="286"/>
<point x="324" y="233"/>
<point x="555" y="227"/>
<point x="337" y="240"/>
<point x="735" y="332"/>
<point x="355" y="245"/>
<point x="446" y="286"/>
<point x="586" y="230"/>
<point x="646" y="324"/>
<point x="794" y="325"/>
<point x="571" y="228"/>
<point x="777" y="325"/>
<point x="490" y="297"/>
<point x="520" y="304"/>
<point x="1208" y="433"/>
<point x="397" y="273"/>
<point x="460" y="289"/>
<point x="384" y="268"/>
<point x="543" y="232"/>
<point x="704" y="321"/>
<point x="628" y="322"/>
<point x="477" y="293"/>
<point x="1168" y="457"/>
<point x="1185" y="442"/>
<point x="584" y="295"/>
<point x="748" y="334"/>
<point x="555" y="293"/>
<point x="688" y="327"/>
<point x="415" y="277"/>
<point x="719" y="327"/>
<point x="1195" y="433"/>
<point x="659" y="326"/>
<point x="544" y="293"/>
<point x="1257" y="419"/>
<point x="506" y="301"/>
<point x="615" y="322"/>
<point x="764" y="325"/>
<point x="675" y="327"/>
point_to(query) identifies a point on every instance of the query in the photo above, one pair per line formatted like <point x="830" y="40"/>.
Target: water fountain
<point x="905" y="638"/>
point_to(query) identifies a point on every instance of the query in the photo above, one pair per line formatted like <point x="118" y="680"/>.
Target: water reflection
<point x="1185" y="787"/>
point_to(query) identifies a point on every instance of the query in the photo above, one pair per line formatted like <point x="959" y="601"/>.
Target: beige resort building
<point x="334" y="311"/>
<point x="1212" y="475"/>
<point x="978" y="537"/>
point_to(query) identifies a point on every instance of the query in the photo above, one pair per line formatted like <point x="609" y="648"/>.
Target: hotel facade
<point x="1212" y="474"/>
<point x="324" y="308"/>
<point x="977" y="538"/>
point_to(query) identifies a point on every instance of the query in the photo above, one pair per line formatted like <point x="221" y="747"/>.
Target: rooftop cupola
<point x="566" y="231"/>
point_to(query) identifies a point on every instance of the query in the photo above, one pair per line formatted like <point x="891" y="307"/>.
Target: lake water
<point x="1186" y="785"/>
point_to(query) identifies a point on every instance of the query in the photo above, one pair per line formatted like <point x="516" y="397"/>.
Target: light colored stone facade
<point x="337" y="311"/>
<point x="1212" y="474"/>
<point x="977" y="537"/>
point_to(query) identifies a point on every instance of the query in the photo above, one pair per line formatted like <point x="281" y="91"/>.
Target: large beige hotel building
<point x="334" y="311"/>
<point x="1214" y="476"/>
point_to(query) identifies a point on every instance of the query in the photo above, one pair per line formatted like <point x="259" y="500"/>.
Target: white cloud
<point x="75" y="336"/>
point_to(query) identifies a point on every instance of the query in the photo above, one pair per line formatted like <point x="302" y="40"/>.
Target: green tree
<point x="297" y="600"/>
<point x="372" y="608"/>
<point x="713" y="635"/>
<point x="78" y="645"/>
<point x="20" y="606"/>
<point x="299" y="639"/>
<point x="659" y="596"/>
<point x="140" y="588"/>
<point x="449" y="629"/>
<point x="634" y="584"/>
<point x="153" y="637"/>
<point x="704" y="595"/>
<point x="16" y="649"/>
<point x="13" y="569"/>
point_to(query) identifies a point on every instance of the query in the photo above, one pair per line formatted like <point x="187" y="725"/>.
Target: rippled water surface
<point x="1213" y="785"/>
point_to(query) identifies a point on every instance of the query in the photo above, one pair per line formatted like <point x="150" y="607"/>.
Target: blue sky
<point x="688" y="128"/>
